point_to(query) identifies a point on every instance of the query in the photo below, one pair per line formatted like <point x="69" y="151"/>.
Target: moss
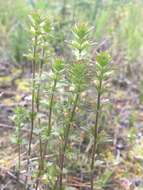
<point x="5" y="81"/>
<point x="22" y="85"/>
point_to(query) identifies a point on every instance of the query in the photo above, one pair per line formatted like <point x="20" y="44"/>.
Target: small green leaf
<point x="58" y="65"/>
<point x="103" y="58"/>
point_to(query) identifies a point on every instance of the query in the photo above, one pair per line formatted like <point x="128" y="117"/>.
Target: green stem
<point x="40" y="74"/>
<point x="95" y="136"/>
<point x="33" y="95"/>
<point x="39" y="120"/>
<point x="33" y="100"/>
<point x="66" y="139"/>
<point x="50" y="116"/>
<point x="51" y="106"/>
<point x="19" y="148"/>
<point x="19" y="157"/>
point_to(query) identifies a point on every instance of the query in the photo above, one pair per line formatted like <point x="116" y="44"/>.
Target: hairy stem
<point x="95" y="136"/>
<point x="39" y="120"/>
<point x="50" y="116"/>
<point x="33" y="100"/>
<point x="19" y="157"/>
<point x="51" y="106"/>
<point x="66" y="139"/>
<point x="19" y="148"/>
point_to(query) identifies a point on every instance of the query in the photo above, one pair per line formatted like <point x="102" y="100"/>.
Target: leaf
<point x="103" y="58"/>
